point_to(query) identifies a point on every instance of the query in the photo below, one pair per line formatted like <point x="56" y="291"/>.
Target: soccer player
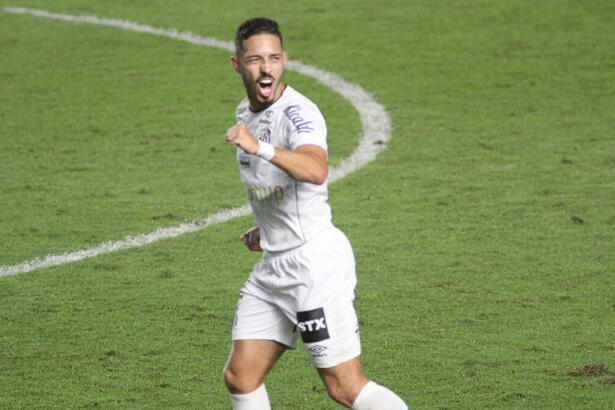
<point x="304" y="283"/>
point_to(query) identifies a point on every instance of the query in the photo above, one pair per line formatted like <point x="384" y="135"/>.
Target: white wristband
<point x="265" y="151"/>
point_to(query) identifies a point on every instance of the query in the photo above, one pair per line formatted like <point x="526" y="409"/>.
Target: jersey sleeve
<point x="305" y="125"/>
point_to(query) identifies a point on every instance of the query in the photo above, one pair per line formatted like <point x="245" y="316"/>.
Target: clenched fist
<point x="239" y="136"/>
<point x="252" y="239"/>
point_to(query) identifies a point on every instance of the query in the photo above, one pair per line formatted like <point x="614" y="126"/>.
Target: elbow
<point x="317" y="177"/>
<point x="320" y="177"/>
<point x="312" y="165"/>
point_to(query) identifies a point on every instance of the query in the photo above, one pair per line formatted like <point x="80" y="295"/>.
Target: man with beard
<point x="305" y="281"/>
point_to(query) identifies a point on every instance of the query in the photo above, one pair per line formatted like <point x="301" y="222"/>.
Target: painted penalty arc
<point x="375" y="126"/>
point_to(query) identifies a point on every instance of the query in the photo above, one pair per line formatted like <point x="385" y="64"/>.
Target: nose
<point x="265" y="66"/>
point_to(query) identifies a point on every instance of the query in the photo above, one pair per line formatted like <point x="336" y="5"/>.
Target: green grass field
<point x="484" y="233"/>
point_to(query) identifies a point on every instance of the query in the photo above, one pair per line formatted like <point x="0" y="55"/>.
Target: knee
<point x="237" y="383"/>
<point x="231" y="380"/>
<point x="341" y="394"/>
<point x="344" y="382"/>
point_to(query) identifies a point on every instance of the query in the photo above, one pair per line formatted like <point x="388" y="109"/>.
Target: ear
<point x="284" y="57"/>
<point x="235" y="63"/>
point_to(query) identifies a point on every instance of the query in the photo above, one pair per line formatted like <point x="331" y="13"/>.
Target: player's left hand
<point x="239" y="136"/>
<point x="252" y="239"/>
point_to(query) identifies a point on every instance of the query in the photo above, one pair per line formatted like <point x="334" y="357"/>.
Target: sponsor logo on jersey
<point x="264" y="194"/>
<point x="267" y="119"/>
<point x="313" y="325"/>
<point x="293" y="112"/>
<point x="244" y="160"/>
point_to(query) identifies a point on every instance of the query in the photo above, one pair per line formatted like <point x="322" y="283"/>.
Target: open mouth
<point x="265" y="87"/>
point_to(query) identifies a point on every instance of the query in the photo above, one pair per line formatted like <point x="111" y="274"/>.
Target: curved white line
<point x="375" y="121"/>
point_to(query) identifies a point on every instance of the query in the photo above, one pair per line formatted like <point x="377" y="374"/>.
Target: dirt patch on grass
<point x="590" y="370"/>
<point x="593" y="370"/>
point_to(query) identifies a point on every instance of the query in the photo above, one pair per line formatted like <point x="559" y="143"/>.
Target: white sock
<point x="376" y="397"/>
<point x="256" y="400"/>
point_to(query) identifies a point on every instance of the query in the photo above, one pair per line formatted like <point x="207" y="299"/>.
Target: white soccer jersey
<point x="288" y="212"/>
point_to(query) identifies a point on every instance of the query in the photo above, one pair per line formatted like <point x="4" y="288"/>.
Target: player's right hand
<point x="239" y="136"/>
<point x="252" y="239"/>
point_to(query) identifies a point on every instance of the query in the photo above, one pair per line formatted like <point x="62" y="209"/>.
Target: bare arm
<point x="308" y="163"/>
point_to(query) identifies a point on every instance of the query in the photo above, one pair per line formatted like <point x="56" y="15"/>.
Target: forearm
<point x="308" y="163"/>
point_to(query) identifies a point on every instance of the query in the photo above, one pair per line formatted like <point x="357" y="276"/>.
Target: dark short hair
<point x="258" y="25"/>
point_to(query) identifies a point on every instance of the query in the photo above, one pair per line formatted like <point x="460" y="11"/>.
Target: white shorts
<point x="308" y="290"/>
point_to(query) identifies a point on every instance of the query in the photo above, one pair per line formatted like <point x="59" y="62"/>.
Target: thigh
<point x="261" y="333"/>
<point x="326" y="318"/>
<point x="329" y="330"/>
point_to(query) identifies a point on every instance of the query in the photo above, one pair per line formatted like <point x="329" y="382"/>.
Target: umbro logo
<point x="317" y="349"/>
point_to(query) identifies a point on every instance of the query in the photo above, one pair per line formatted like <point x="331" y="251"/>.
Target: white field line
<point x="375" y="122"/>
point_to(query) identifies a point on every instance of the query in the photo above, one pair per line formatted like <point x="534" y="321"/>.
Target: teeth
<point x="266" y="82"/>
